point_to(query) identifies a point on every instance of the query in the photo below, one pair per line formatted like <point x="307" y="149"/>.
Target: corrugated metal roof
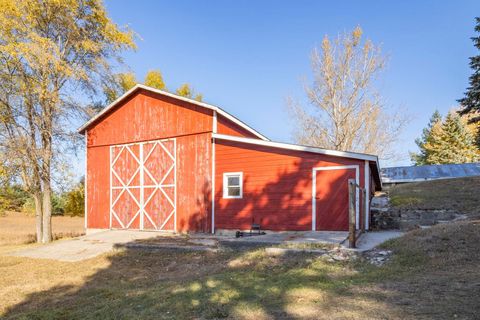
<point x="430" y="172"/>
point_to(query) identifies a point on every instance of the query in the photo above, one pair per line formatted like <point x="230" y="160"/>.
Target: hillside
<point x="461" y="195"/>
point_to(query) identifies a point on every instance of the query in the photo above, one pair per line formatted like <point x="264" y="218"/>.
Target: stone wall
<point x="385" y="217"/>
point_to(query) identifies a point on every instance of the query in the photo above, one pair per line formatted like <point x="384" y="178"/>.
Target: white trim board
<point x="366" y="173"/>
<point x="314" y="192"/>
<point x="174" y="96"/>
<point x="214" y="130"/>
<point x="85" y="184"/>
<point x="296" y="147"/>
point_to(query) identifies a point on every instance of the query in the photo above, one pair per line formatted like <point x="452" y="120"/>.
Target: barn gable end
<point x="147" y="116"/>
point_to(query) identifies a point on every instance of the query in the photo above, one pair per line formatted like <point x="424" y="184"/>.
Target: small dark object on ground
<point x="239" y="234"/>
<point x="254" y="227"/>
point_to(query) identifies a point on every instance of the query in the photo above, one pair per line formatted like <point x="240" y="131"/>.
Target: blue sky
<point x="249" y="56"/>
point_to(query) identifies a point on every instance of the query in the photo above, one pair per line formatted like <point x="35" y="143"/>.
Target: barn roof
<point x="430" y="172"/>
<point x="262" y="140"/>
<point x="137" y="87"/>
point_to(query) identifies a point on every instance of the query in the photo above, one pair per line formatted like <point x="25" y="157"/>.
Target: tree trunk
<point x="38" y="216"/>
<point x="47" y="213"/>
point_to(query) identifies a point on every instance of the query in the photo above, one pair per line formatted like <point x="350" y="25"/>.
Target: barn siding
<point x="225" y="126"/>
<point x="194" y="182"/>
<point x="149" y="116"/>
<point x="277" y="186"/>
<point x="98" y="187"/>
<point x="153" y="117"/>
<point x="277" y="182"/>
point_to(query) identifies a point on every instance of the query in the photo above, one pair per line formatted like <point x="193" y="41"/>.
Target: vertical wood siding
<point x="98" y="192"/>
<point x="225" y="126"/>
<point x="277" y="186"/>
<point x="277" y="183"/>
<point x="332" y="184"/>
<point x="145" y="117"/>
<point x="148" y="116"/>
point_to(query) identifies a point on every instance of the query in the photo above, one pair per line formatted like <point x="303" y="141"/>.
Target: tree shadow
<point x="167" y="284"/>
<point x="244" y="284"/>
<point x="284" y="202"/>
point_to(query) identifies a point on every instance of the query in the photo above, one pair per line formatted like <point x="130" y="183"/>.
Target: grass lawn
<point x="462" y="195"/>
<point x="18" y="228"/>
<point x="433" y="275"/>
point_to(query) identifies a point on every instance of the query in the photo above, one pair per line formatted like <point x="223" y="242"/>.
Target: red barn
<point x="158" y="161"/>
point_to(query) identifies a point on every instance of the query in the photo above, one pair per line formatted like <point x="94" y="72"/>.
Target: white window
<point x="232" y="185"/>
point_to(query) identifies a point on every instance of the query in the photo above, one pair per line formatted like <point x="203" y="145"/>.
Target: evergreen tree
<point x="451" y="142"/>
<point x="457" y="142"/>
<point x="421" y="158"/>
<point x="471" y="101"/>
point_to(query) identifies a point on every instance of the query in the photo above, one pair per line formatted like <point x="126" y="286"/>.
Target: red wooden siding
<point x="225" y="126"/>
<point x="98" y="187"/>
<point x="277" y="186"/>
<point x="194" y="182"/>
<point x="149" y="116"/>
<point x="145" y="117"/>
<point x="277" y="183"/>
<point x="332" y="184"/>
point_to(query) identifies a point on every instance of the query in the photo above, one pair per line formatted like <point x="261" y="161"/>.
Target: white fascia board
<point x="296" y="147"/>
<point x="174" y="96"/>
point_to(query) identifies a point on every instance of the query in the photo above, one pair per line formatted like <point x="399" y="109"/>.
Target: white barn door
<point x="143" y="185"/>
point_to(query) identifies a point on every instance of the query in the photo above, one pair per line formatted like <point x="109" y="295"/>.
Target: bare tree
<point x="345" y="112"/>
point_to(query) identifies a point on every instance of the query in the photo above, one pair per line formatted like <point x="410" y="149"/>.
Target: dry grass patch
<point x="437" y="271"/>
<point x="461" y="195"/>
<point x="18" y="228"/>
<point x="433" y="275"/>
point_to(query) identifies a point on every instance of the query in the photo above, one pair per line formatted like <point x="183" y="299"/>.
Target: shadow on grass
<point x="192" y="285"/>
<point x="429" y="278"/>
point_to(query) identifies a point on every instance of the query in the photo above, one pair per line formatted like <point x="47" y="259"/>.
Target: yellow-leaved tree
<point x="122" y="82"/>
<point x="50" y="51"/>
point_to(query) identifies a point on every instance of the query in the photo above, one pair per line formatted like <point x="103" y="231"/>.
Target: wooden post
<point x="363" y="210"/>
<point x="351" y="213"/>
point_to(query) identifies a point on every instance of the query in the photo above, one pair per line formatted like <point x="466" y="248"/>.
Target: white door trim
<point x="366" y="173"/>
<point x="314" y="190"/>
<point x="214" y="130"/>
<point x="142" y="170"/>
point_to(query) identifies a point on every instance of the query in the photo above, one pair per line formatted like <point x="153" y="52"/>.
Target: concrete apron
<point x="94" y="244"/>
<point x="85" y="247"/>
<point x="287" y="237"/>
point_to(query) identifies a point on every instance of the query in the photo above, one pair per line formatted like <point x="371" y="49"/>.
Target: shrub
<point x="75" y="201"/>
<point x="12" y="198"/>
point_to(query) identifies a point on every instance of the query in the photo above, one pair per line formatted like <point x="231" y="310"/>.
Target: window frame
<point x="226" y="175"/>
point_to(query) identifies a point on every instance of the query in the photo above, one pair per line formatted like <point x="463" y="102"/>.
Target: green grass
<point x="431" y="275"/>
<point x="403" y="201"/>
<point x="452" y="194"/>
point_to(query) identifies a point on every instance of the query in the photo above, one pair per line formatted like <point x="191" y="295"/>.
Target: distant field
<point x="18" y="228"/>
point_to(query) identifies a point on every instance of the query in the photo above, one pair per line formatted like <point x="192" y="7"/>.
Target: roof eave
<point x="296" y="147"/>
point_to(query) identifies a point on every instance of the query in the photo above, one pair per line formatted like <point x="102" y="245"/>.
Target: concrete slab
<point x="370" y="240"/>
<point x="288" y="237"/>
<point x="94" y="244"/>
<point x="85" y="247"/>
